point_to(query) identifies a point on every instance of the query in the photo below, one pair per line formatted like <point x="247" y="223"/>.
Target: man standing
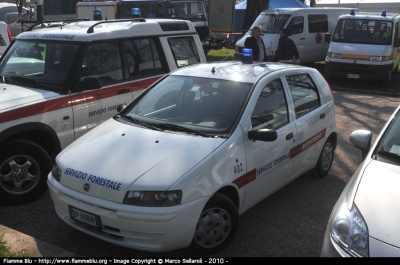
<point x="256" y="43"/>
<point x="287" y="51"/>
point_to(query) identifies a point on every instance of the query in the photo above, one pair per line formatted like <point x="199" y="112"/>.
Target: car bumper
<point x="155" y="229"/>
<point x="357" y="71"/>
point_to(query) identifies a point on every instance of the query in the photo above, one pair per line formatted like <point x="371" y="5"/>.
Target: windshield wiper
<point x="181" y="128"/>
<point x="25" y="79"/>
<point x="144" y="124"/>
<point x="389" y="155"/>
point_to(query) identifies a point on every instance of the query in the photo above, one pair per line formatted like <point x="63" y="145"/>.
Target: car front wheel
<point x="217" y="226"/>
<point x="24" y="166"/>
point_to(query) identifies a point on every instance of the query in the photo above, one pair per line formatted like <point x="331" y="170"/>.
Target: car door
<point x="92" y="107"/>
<point x="310" y="120"/>
<point x="271" y="160"/>
<point x="317" y="27"/>
<point x="298" y="33"/>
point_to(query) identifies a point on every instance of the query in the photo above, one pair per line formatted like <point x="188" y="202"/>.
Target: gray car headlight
<point x="56" y="172"/>
<point x="153" y="198"/>
<point x="350" y="231"/>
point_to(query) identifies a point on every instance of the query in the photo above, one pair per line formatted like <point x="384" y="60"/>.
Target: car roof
<point x="371" y="15"/>
<point x="234" y="71"/>
<point x="111" y="29"/>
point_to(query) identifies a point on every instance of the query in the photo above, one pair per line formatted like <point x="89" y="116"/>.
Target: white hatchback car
<point x="179" y="165"/>
<point x="365" y="221"/>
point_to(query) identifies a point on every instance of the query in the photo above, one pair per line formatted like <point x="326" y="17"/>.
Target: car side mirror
<point x="361" y="139"/>
<point x="265" y="135"/>
<point x="89" y="83"/>
<point x="120" y="108"/>
<point x="327" y="37"/>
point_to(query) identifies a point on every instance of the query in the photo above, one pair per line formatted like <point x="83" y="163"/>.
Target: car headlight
<point x="153" y="198"/>
<point x="334" y="55"/>
<point x="56" y="172"/>
<point x="350" y="231"/>
<point x="376" y="58"/>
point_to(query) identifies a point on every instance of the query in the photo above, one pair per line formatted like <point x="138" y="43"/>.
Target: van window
<point x="184" y="50"/>
<point x="103" y="60"/>
<point x="296" y="25"/>
<point x="271" y="23"/>
<point x="317" y="23"/>
<point x="304" y="94"/>
<point x="271" y="110"/>
<point x="363" y="30"/>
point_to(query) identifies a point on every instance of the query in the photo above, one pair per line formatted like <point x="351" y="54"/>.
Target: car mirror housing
<point x="361" y="139"/>
<point x="90" y="83"/>
<point x="265" y="135"/>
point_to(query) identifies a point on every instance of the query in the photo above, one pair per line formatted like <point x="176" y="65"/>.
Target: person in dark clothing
<point x="287" y="51"/>
<point x="256" y="43"/>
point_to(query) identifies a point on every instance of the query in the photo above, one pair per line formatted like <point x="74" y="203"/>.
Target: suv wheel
<point x="24" y="166"/>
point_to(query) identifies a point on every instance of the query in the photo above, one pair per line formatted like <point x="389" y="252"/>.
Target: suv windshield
<point x="363" y="31"/>
<point x="271" y="23"/>
<point x="46" y="65"/>
<point x="190" y="104"/>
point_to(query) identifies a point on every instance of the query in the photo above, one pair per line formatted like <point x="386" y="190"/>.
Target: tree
<point x="253" y="9"/>
<point x="19" y="4"/>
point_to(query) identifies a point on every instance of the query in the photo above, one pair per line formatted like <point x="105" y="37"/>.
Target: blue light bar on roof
<point x="352" y="12"/>
<point x="383" y="13"/>
<point x="247" y="55"/>
<point x="97" y="14"/>
<point x="135" y="12"/>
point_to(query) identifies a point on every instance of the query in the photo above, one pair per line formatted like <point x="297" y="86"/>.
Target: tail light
<point x="326" y="82"/>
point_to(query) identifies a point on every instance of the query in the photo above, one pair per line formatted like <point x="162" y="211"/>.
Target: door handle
<point x="125" y="90"/>
<point x="322" y="115"/>
<point x="289" y="136"/>
<point x="302" y="38"/>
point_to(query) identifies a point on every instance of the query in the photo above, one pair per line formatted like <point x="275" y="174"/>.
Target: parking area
<point x="290" y="223"/>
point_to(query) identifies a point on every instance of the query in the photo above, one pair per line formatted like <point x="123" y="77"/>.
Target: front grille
<point x="354" y="69"/>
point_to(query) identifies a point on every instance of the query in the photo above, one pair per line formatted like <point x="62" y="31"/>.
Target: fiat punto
<point x="177" y="166"/>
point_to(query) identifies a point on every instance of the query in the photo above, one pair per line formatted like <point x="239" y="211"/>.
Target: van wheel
<point x="24" y="166"/>
<point x="325" y="160"/>
<point x="386" y="81"/>
<point x="217" y="226"/>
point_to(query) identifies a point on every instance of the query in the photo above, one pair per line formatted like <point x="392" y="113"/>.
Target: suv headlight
<point x="153" y="198"/>
<point x="350" y="231"/>
<point x="56" y="172"/>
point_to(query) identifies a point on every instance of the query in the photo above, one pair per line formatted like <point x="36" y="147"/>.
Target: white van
<point x="308" y="27"/>
<point x="371" y="50"/>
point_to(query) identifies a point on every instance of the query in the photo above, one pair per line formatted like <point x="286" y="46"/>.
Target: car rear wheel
<point x="325" y="159"/>
<point x="217" y="226"/>
<point x="24" y="166"/>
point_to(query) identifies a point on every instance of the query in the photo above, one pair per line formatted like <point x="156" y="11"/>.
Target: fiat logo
<point x="86" y="186"/>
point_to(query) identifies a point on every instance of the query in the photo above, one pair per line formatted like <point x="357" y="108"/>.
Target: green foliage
<point x="219" y="55"/>
<point x="5" y="250"/>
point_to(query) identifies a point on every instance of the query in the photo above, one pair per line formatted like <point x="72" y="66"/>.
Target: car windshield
<point x="271" y="23"/>
<point x="363" y="31"/>
<point x="40" y="64"/>
<point x="201" y="106"/>
<point x="389" y="144"/>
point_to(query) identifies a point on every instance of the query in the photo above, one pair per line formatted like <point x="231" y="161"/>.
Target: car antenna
<point x="213" y="68"/>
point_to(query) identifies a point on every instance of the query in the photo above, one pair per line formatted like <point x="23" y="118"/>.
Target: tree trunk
<point x="253" y="9"/>
<point x="19" y="4"/>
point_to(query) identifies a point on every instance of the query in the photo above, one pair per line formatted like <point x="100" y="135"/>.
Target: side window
<point x="317" y="23"/>
<point x="304" y="93"/>
<point x="184" y="50"/>
<point x="296" y="25"/>
<point x="103" y="60"/>
<point x="143" y="58"/>
<point x="271" y="110"/>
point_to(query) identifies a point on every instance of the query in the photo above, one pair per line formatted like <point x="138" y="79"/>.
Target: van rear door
<point x="317" y="26"/>
<point x="298" y="33"/>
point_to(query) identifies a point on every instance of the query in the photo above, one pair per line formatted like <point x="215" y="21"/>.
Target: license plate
<point x="84" y="217"/>
<point x="353" y="76"/>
